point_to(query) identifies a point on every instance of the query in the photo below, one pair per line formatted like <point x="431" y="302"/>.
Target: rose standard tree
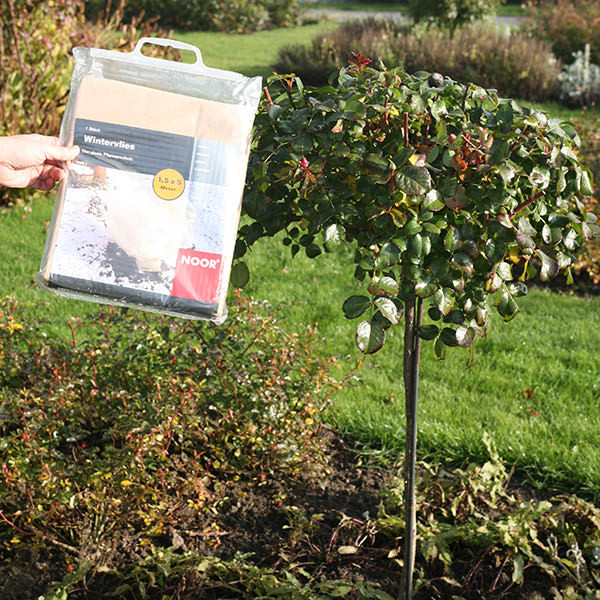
<point x="450" y="195"/>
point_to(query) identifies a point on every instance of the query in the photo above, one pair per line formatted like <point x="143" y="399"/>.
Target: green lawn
<point x="250" y="54"/>
<point x="534" y="384"/>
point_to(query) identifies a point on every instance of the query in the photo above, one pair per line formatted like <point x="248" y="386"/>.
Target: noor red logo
<point x="197" y="275"/>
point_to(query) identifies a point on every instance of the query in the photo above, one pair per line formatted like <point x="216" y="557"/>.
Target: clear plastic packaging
<point x="148" y="214"/>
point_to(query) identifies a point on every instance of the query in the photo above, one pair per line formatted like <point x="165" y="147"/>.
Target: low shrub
<point x="568" y="25"/>
<point x="201" y="15"/>
<point x="138" y="424"/>
<point x="515" y="64"/>
<point x="36" y="41"/>
<point x="35" y="46"/>
<point x="586" y="123"/>
<point x="329" y="51"/>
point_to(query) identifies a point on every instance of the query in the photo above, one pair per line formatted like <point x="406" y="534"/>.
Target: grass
<point x="250" y="54"/>
<point x="23" y="237"/>
<point x="534" y="384"/>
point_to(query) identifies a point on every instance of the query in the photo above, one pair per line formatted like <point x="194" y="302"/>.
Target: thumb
<point x="61" y="153"/>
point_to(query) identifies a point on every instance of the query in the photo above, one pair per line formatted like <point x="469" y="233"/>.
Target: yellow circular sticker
<point x="168" y="184"/>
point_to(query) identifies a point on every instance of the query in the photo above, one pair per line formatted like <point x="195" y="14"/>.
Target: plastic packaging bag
<point x="148" y="214"/>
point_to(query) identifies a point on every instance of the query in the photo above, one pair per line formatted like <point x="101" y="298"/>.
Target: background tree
<point x="452" y="14"/>
<point x="447" y="193"/>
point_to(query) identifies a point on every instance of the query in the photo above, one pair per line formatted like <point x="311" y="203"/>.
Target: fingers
<point x="47" y="178"/>
<point x="34" y="160"/>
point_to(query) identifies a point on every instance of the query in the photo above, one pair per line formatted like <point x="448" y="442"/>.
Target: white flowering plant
<point x="580" y="81"/>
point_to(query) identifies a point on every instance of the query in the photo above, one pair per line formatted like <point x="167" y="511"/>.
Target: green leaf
<point x="551" y="235"/>
<point x="354" y="306"/>
<point x="448" y="336"/>
<point x="493" y="283"/>
<point x="390" y="253"/>
<point x="517" y="575"/>
<point x="525" y="241"/>
<point x="240" y="275"/>
<point x="333" y="237"/>
<point x="568" y="152"/>
<point x="303" y="142"/>
<point x="571" y="240"/>
<point x="377" y="161"/>
<point x="507" y="172"/>
<point x="585" y="185"/>
<point x="388" y="309"/>
<point x="465" y="336"/>
<point x="561" y="182"/>
<point x="312" y="250"/>
<point x="374" y="594"/>
<point x="274" y="111"/>
<point x="439" y="266"/>
<point x="438" y="109"/>
<point x="540" y="177"/>
<point x="417" y="104"/>
<point x="517" y="288"/>
<point x="506" y="305"/>
<point x="413" y="181"/>
<point x="383" y="285"/>
<point x="354" y="110"/>
<point x="498" y="150"/>
<point x="412" y="226"/>
<point x="455" y="316"/>
<point x="525" y="227"/>
<point x="433" y="201"/>
<point x="402" y="156"/>
<point x="439" y="348"/>
<point x="481" y="316"/>
<point x="444" y="301"/>
<point x="549" y="266"/>
<point x="425" y="287"/>
<point x="240" y="248"/>
<point x="428" y="332"/>
<point x="370" y="337"/>
<point x="504" y="271"/>
<point x="452" y="239"/>
<point x="336" y="589"/>
<point x="504" y="219"/>
<point x="494" y="250"/>
<point x="415" y="245"/>
<point x="463" y="262"/>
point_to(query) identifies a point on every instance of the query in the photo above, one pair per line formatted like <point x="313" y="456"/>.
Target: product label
<point x="197" y="275"/>
<point x="157" y="153"/>
<point x="132" y="148"/>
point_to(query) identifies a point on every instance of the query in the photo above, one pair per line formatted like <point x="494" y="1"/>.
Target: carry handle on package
<point x="167" y="43"/>
<point x="148" y="214"/>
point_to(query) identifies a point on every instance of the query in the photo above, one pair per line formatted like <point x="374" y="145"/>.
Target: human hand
<point x="33" y="160"/>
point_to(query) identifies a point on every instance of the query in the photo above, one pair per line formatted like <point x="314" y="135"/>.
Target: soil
<point x="316" y="521"/>
<point x="338" y="504"/>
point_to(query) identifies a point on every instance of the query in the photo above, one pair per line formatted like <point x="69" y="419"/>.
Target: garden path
<point x="346" y="15"/>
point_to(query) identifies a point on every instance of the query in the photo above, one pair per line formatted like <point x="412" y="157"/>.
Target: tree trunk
<point x="412" y="351"/>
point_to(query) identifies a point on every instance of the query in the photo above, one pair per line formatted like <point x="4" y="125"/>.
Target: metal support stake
<point x="412" y="351"/>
